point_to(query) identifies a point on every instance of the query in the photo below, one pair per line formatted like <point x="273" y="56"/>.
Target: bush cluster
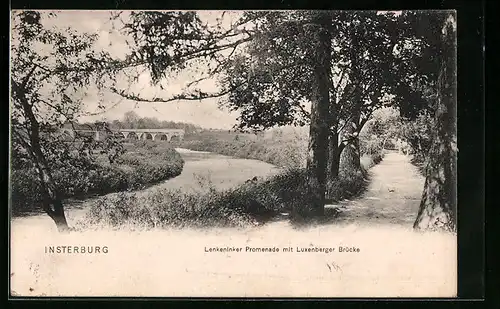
<point x="418" y="135"/>
<point x="143" y="164"/>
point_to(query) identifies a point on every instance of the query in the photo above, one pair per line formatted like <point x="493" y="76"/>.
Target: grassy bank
<point x="283" y="148"/>
<point x="144" y="163"/>
<point x="254" y="202"/>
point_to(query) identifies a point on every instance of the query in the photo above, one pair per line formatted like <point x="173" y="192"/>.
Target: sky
<point x="205" y="113"/>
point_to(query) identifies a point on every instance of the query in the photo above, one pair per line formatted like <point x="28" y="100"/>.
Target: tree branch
<point x="213" y="49"/>
<point x="364" y="121"/>
<point x="27" y="77"/>
<point x="306" y="113"/>
<point x="341" y="79"/>
<point x="346" y="121"/>
<point x="186" y="97"/>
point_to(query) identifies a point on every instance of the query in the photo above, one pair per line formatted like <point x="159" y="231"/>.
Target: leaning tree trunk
<point x="439" y="199"/>
<point x="319" y="128"/>
<point x="52" y="203"/>
<point x="350" y="160"/>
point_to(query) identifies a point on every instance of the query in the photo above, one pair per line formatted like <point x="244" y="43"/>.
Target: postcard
<point x="285" y="153"/>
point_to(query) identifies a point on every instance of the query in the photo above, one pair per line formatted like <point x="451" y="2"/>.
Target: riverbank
<point x="201" y="171"/>
<point x="279" y="147"/>
<point x="212" y="190"/>
<point x="144" y="163"/>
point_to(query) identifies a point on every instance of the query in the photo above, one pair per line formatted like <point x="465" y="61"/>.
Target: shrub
<point x="347" y="185"/>
<point x="163" y="208"/>
<point x="418" y="134"/>
<point x="368" y="161"/>
<point x="148" y="163"/>
<point x="370" y="146"/>
<point x="25" y="189"/>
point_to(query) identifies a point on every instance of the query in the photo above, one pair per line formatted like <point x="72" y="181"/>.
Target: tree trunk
<point x="350" y="160"/>
<point x="350" y="157"/>
<point x="52" y="203"/>
<point x="319" y="127"/>
<point x="334" y="150"/>
<point x="49" y="191"/>
<point x="439" y="199"/>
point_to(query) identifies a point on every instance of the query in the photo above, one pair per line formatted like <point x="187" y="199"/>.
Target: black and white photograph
<point x="211" y="153"/>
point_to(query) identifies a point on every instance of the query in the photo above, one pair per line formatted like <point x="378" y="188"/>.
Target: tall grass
<point x="249" y="204"/>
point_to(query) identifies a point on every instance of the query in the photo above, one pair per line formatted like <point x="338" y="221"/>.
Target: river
<point x="222" y="171"/>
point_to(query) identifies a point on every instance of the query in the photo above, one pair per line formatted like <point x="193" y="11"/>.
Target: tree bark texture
<point x="438" y="206"/>
<point x="350" y="156"/>
<point x="320" y="103"/>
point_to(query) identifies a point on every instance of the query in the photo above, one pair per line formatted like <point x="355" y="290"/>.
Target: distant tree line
<point x="133" y="121"/>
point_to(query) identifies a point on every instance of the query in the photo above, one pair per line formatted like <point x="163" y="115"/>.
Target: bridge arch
<point x="162" y="137"/>
<point x="119" y="135"/>
<point x="132" y="135"/>
<point x="149" y="134"/>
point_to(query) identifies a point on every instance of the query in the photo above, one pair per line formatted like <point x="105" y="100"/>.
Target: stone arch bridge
<point x="133" y="134"/>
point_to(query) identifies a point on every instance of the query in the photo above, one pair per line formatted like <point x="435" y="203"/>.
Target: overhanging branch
<point x="180" y="97"/>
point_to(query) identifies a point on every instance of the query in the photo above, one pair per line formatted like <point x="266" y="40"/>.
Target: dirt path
<point x="392" y="197"/>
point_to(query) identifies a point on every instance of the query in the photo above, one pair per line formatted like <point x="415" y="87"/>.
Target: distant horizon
<point x="84" y="120"/>
<point x="286" y="127"/>
<point x="205" y="113"/>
